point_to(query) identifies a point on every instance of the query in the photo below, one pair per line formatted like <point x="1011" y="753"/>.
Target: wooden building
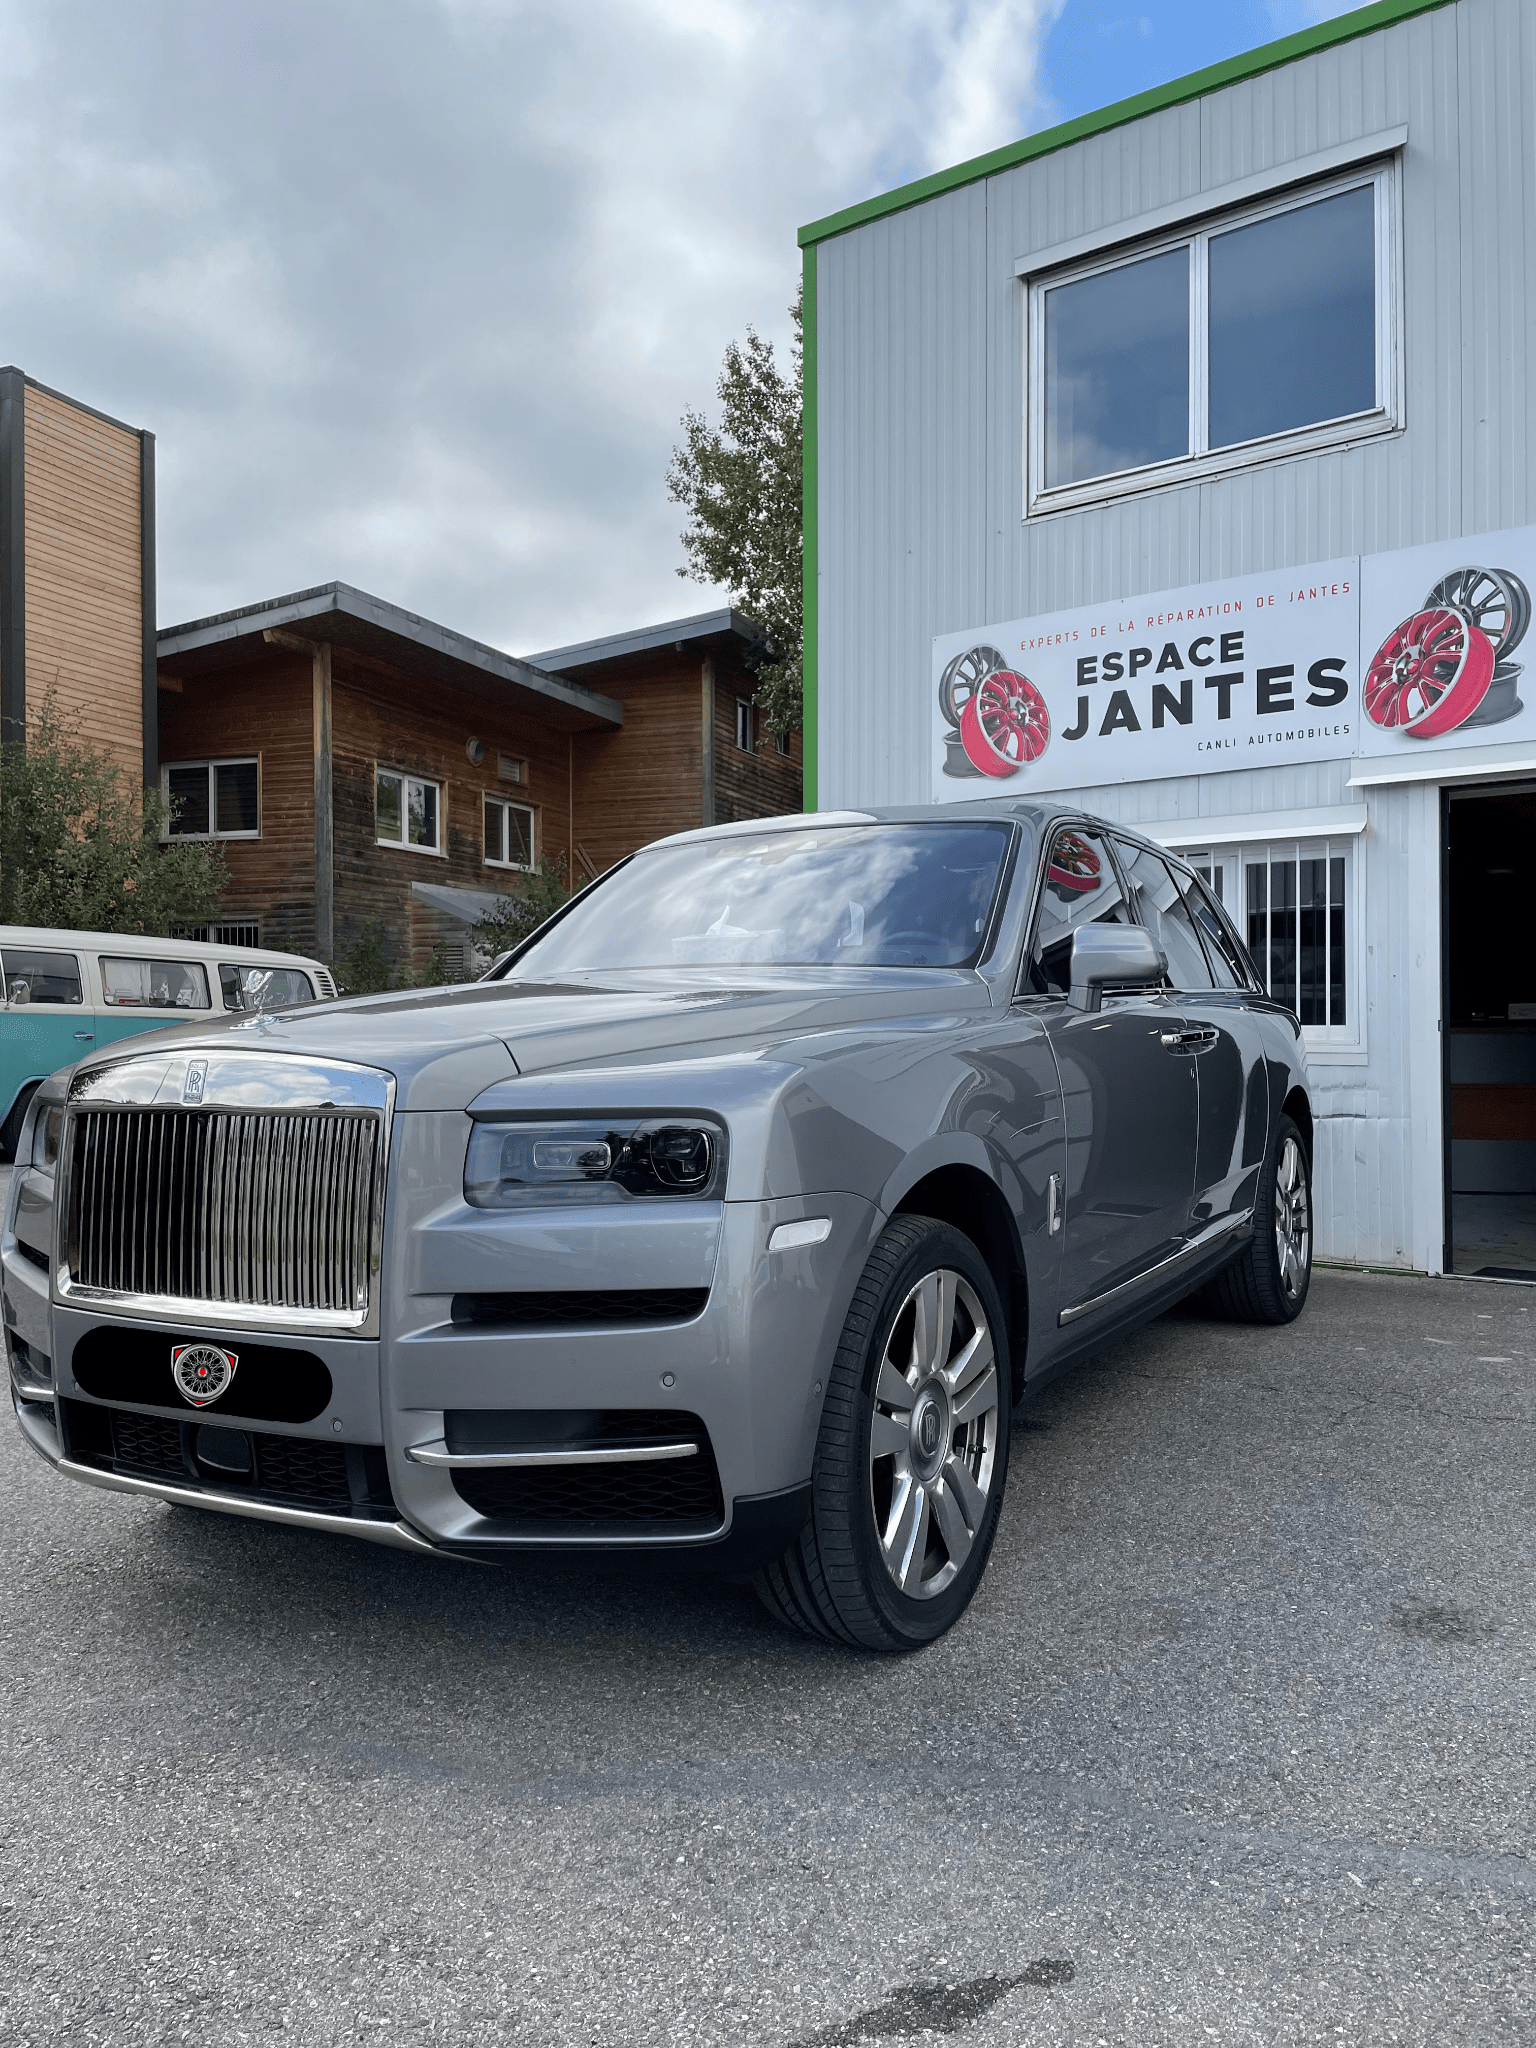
<point x="360" y="765"/>
<point x="77" y="570"/>
<point x="364" y="766"/>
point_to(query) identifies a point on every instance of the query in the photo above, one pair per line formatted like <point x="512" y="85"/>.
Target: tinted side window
<point x="1221" y="942"/>
<point x="263" y="988"/>
<point x="154" y="984"/>
<point x="1080" y="887"/>
<point x="1161" y="909"/>
<point x="37" y="977"/>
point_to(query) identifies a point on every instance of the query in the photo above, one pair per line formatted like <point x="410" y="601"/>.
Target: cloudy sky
<point x="414" y="292"/>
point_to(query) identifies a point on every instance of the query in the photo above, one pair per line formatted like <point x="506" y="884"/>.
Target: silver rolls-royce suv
<point x="728" y="1216"/>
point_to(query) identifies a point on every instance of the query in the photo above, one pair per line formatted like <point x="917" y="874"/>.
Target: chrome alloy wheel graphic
<point x="933" y="1434"/>
<point x="202" y="1371"/>
<point x="1293" y="1219"/>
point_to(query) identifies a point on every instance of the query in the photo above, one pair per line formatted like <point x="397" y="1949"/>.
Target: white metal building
<point x="1182" y="458"/>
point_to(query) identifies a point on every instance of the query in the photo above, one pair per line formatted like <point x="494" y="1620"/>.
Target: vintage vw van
<point x="65" y="994"/>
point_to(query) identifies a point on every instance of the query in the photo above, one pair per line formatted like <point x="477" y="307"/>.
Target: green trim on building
<point x="810" y="561"/>
<point x="1268" y="57"/>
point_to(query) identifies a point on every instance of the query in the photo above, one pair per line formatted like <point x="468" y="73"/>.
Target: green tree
<point x="524" y="907"/>
<point x="80" y="844"/>
<point x="740" y="484"/>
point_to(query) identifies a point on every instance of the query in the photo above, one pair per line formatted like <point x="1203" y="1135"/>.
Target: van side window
<point x="41" y="977"/>
<point x="263" y="988"/>
<point x="155" y="984"/>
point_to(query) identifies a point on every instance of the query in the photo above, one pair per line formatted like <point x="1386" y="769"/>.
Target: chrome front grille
<point x="268" y="1209"/>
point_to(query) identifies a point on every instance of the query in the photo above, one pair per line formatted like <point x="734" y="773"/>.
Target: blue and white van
<point x="64" y="994"/>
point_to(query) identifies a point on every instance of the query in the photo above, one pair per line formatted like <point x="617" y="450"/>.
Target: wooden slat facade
<point x="596" y="794"/>
<point x="84" y="573"/>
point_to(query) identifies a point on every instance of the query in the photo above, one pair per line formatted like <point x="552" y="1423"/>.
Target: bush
<point x="80" y="844"/>
<point x="364" y="969"/>
<point x="524" y="907"/>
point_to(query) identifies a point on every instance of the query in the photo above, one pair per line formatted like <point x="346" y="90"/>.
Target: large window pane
<point x="1336" y="940"/>
<point x="388" y="802"/>
<point x="519" y="836"/>
<point x="1313" y="1001"/>
<point x="188" y="791"/>
<point x="1117" y="369"/>
<point x="1293" y="319"/>
<point x="422" y="804"/>
<point x="235" y="784"/>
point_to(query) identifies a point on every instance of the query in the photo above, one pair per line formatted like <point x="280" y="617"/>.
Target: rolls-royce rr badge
<point x="202" y="1371"/>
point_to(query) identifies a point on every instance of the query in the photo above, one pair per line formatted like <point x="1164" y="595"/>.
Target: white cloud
<point x="414" y="292"/>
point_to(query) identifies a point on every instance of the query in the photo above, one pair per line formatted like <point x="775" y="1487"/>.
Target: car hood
<point x="445" y="1045"/>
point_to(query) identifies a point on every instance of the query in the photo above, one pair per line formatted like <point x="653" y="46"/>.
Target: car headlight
<point x="46" y="1133"/>
<point x="594" y="1159"/>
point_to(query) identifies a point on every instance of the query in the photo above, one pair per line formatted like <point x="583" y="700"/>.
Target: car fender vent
<point x="533" y="1311"/>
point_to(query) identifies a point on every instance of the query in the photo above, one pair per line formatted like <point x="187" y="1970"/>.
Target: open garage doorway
<point x="1489" y="1015"/>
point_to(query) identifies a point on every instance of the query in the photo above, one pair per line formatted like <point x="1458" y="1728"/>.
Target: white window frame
<point x="1384" y="417"/>
<point x="505" y="804"/>
<point x="1327" y="1044"/>
<point x="405" y="779"/>
<point x="167" y="836"/>
<point x="746" y="722"/>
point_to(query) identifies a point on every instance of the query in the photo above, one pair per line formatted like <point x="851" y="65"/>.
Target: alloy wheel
<point x="1293" y="1219"/>
<point x="934" y="1434"/>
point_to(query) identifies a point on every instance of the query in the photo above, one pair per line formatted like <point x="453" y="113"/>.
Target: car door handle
<point x="85" y="1034"/>
<point x="1200" y="1038"/>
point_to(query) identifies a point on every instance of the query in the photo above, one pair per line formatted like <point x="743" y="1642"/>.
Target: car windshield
<point x="915" y="895"/>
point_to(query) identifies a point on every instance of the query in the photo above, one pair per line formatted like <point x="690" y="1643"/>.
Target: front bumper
<point x="751" y="1366"/>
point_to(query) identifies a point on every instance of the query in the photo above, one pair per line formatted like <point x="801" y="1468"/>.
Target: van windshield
<point x="899" y="895"/>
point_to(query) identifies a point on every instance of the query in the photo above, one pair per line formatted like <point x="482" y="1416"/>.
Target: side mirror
<point x="1112" y="956"/>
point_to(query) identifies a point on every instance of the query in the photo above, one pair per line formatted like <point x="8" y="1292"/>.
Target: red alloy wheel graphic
<point x="1005" y="724"/>
<point x="1429" y="674"/>
<point x="1073" y="866"/>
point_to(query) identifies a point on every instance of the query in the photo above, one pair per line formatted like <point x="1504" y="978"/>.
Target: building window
<point x="409" y="811"/>
<point x="1293" y="902"/>
<point x="243" y="932"/>
<point x="508" y="834"/>
<point x="212" y="799"/>
<point x="1267" y="332"/>
<point x="744" y="723"/>
<point x="784" y="741"/>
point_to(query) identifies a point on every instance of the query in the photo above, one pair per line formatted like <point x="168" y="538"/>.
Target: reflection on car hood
<point x="587" y="1019"/>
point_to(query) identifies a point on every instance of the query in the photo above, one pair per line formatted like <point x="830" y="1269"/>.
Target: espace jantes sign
<point x="1378" y="654"/>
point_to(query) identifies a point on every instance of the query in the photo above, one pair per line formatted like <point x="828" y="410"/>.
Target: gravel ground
<point x="1237" y="1744"/>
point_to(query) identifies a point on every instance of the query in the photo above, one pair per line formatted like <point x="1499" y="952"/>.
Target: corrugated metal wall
<point x="921" y="486"/>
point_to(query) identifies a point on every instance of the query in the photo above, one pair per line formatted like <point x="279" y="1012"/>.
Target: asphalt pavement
<point x="1237" y="1744"/>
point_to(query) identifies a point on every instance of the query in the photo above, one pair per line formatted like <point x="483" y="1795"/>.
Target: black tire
<point x="834" y="1580"/>
<point x="1264" y="1286"/>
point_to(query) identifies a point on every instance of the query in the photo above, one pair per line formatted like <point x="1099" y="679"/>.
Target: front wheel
<point x="912" y="1455"/>
<point x="1269" y="1283"/>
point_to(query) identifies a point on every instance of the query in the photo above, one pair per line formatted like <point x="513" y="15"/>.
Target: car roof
<point x="1039" y="813"/>
<point x="43" y="937"/>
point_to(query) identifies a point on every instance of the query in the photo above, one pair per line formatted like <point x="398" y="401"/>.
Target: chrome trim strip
<point x="1203" y="1242"/>
<point x="27" y="1389"/>
<point x="398" y="1535"/>
<point x="437" y="1453"/>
